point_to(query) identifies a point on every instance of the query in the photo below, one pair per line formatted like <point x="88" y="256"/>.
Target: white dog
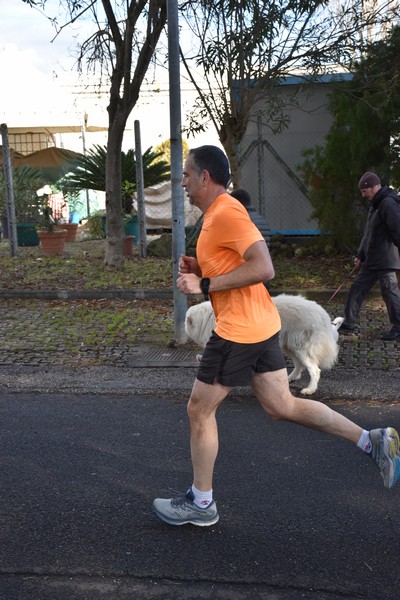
<point x="307" y="334"/>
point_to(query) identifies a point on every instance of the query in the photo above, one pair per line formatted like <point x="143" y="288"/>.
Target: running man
<point x="232" y="265"/>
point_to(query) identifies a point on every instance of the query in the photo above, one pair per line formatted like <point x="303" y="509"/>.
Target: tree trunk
<point x="236" y="169"/>
<point x="231" y="134"/>
<point x="115" y="226"/>
<point x="231" y="146"/>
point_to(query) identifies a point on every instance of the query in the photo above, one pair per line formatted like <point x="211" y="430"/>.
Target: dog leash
<point x="342" y="284"/>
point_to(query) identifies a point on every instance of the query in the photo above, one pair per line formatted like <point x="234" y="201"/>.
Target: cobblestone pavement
<point x="27" y="337"/>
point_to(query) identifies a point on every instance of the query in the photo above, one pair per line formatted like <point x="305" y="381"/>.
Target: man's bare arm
<point x="257" y="268"/>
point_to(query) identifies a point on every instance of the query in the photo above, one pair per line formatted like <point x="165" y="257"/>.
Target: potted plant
<point x="75" y="205"/>
<point x="71" y="229"/>
<point x="52" y="237"/>
<point x="131" y="226"/>
<point x="127" y="246"/>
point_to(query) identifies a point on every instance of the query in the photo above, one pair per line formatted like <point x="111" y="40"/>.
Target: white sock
<point x="365" y="442"/>
<point x="202" y="499"/>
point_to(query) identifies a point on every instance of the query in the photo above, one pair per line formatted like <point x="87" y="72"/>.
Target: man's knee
<point x="205" y="399"/>
<point x="273" y="393"/>
<point x="193" y="403"/>
<point x="193" y="407"/>
<point x="282" y="412"/>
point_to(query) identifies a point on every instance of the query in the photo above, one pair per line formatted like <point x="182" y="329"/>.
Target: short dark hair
<point x="241" y="195"/>
<point x="213" y="160"/>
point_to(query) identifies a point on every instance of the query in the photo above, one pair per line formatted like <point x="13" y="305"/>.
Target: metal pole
<point x="10" y="204"/>
<point x="261" y="167"/>
<point x="178" y="211"/>
<point x="84" y="125"/>
<point x="140" y="192"/>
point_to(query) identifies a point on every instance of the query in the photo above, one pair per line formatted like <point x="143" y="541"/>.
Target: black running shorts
<point x="233" y="364"/>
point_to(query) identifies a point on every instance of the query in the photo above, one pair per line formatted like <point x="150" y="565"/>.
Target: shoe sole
<point x="391" y="443"/>
<point x="198" y="523"/>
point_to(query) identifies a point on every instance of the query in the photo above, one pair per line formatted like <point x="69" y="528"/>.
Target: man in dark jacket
<point x="378" y="255"/>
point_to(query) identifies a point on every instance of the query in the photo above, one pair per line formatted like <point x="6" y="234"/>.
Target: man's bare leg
<point x="273" y="393"/>
<point x="197" y="506"/>
<point x="203" y="403"/>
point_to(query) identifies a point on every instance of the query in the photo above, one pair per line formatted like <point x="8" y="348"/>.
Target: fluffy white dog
<point x="307" y="335"/>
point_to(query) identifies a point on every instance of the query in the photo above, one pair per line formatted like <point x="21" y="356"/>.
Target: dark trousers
<point x="361" y="286"/>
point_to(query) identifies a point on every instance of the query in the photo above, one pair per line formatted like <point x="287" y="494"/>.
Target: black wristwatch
<point x="204" y="286"/>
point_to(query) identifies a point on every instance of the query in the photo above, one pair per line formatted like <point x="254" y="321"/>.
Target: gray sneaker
<point x="385" y="452"/>
<point x="182" y="510"/>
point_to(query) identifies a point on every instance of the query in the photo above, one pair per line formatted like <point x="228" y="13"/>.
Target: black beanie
<point x="368" y="180"/>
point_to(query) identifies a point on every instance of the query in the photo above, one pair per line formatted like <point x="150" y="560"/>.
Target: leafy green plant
<point x="47" y="222"/>
<point x="89" y="172"/>
<point x="365" y="136"/>
<point x="96" y="224"/>
<point x="26" y="181"/>
<point x="72" y="197"/>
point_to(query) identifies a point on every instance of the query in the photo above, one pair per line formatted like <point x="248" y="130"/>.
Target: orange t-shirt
<point x="247" y="314"/>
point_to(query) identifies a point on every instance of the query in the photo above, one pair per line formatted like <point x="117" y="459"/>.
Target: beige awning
<point x="55" y="129"/>
<point x="54" y="162"/>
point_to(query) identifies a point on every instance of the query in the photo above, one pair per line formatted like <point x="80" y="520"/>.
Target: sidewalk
<point x="25" y="327"/>
<point x="367" y="366"/>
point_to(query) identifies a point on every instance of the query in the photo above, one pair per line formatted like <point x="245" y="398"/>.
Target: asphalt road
<point x="302" y="515"/>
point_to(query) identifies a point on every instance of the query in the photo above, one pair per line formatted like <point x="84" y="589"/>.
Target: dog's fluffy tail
<point x="337" y="322"/>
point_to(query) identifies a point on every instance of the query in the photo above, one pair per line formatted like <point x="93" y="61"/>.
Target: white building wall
<point x="284" y="205"/>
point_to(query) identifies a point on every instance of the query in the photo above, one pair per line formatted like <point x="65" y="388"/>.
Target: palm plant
<point x="26" y="180"/>
<point x="89" y="172"/>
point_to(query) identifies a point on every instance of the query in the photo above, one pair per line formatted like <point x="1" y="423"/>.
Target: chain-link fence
<point x="158" y="208"/>
<point x="270" y="162"/>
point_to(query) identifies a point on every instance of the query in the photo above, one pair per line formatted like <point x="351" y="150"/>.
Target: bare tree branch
<point x="245" y="47"/>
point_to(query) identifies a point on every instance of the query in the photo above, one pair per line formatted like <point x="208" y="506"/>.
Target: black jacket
<point x="379" y="248"/>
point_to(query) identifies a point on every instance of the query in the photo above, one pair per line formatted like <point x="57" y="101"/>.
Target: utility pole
<point x="84" y="126"/>
<point x="140" y="192"/>
<point x="178" y="211"/>
<point x="10" y="204"/>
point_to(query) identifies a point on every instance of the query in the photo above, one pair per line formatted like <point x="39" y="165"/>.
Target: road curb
<point x="86" y="294"/>
<point x="168" y="294"/>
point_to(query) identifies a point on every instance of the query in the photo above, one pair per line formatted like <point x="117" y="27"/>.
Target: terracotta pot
<point x="127" y="246"/>
<point x="52" y="242"/>
<point x="71" y="230"/>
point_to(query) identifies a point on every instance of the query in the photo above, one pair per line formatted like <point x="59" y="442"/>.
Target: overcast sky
<point x="26" y="34"/>
<point x="30" y="56"/>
